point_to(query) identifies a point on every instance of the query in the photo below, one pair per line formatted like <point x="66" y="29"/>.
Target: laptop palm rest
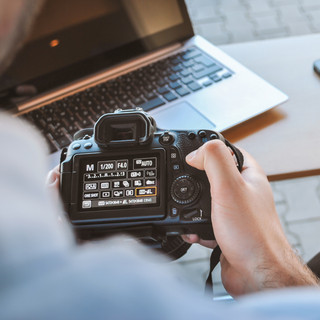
<point x="182" y="116"/>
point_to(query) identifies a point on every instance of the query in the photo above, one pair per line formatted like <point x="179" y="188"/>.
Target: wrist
<point x="284" y="269"/>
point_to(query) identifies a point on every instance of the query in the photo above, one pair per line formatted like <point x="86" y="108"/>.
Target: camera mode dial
<point x="185" y="190"/>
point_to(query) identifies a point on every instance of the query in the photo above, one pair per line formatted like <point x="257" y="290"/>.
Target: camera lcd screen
<point x="119" y="182"/>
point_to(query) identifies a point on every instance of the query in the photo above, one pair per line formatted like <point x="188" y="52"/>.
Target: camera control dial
<point x="185" y="190"/>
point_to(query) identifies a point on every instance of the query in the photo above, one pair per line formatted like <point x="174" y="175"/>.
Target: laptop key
<point x="186" y="72"/>
<point x="186" y="80"/>
<point x="177" y="68"/>
<point x="164" y="66"/>
<point x="170" y="96"/>
<point x="36" y="114"/>
<point x="148" y="88"/>
<point x="94" y="117"/>
<point x="154" y="103"/>
<point x="162" y="82"/>
<point x="137" y="101"/>
<point x="198" y="67"/>
<point x="101" y="98"/>
<point x="227" y="75"/>
<point x="71" y="128"/>
<point x="215" y="78"/>
<point x="188" y="63"/>
<point x="194" y="86"/>
<point x="191" y="49"/>
<point x="48" y="119"/>
<point x="150" y="95"/>
<point x="193" y="54"/>
<point x="174" y="77"/>
<point x="163" y="90"/>
<point x="63" y="142"/>
<point x="84" y="123"/>
<point x="164" y="73"/>
<point x="207" y="72"/>
<point x="98" y="107"/>
<point x="111" y="103"/>
<point x="205" y="61"/>
<point x="182" y="92"/>
<point x="136" y="93"/>
<point x="175" y="85"/>
<point x="175" y="61"/>
<point x="123" y="98"/>
<point x="57" y="134"/>
<point x="152" y="78"/>
<point x="124" y="106"/>
<point x="207" y="83"/>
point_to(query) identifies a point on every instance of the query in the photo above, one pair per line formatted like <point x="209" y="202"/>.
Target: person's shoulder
<point x="19" y="134"/>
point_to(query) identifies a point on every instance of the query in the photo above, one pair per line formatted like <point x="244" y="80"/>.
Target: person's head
<point x="16" y="17"/>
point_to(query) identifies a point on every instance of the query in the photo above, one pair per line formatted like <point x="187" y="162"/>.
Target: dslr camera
<point x="128" y="176"/>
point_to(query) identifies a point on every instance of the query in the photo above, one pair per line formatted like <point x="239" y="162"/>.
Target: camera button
<point x="185" y="190"/>
<point x="76" y="146"/>
<point x="166" y="138"/>
<point x="190" y="214"/>
<point x="214" y="136"/>
<point x="174" y="155"/>
<point x="174" y="212"/>
<point x="176" y="167"/>
<point x="202" y="134"/>
<point x="191" y="135"/>
<point x="88" y="145"/>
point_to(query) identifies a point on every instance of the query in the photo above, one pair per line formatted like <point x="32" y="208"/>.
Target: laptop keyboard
<point x="149" y="87"/>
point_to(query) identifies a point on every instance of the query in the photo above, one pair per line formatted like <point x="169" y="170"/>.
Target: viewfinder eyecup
<point x="131" y="128"/>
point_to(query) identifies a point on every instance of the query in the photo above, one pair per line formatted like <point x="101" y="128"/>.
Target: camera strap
<point x="238" y="154"/>
<point x="214" y="260"/>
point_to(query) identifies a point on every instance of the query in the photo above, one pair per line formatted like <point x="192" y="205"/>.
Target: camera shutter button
<point x="191" y="135"/>
<point x="166" y="138"/>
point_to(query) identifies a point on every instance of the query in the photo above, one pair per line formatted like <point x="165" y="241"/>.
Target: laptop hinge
<point x="97" y="78"/>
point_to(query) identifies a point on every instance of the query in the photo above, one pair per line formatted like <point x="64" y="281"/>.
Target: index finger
<point x="250" y="167"/>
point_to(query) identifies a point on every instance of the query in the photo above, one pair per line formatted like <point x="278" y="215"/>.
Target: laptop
<point x="86" y="58"/>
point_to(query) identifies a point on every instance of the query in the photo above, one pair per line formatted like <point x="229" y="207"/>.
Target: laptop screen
<point x="73" y="38"/>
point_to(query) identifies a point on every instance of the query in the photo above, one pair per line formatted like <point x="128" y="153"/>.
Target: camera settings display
<point x="119" y="182"/>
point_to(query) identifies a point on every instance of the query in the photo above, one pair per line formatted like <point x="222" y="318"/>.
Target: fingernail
<point x="51" y="178"/>
<point x="188" y="236"/>
<point x="191" y="155"/>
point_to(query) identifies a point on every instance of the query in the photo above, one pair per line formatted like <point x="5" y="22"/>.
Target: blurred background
<point x="297" y="201"/>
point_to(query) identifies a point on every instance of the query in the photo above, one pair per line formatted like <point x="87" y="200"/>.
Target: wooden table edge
<point x="293" y="175"/>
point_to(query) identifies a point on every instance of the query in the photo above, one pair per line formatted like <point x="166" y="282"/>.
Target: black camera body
<point x="127" y="176"/>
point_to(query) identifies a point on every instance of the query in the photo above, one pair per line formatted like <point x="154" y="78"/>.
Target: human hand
<point x="255" y="252"/>
<point x="53" y="182"/>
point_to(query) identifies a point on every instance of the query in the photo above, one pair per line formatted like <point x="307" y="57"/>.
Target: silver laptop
<point x="86" y="58"/>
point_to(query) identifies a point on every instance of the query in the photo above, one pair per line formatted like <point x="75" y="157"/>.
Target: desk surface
<point x="286" y="139"/>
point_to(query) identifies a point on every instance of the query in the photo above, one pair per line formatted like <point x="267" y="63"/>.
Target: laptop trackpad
<point x="182" y="116"/>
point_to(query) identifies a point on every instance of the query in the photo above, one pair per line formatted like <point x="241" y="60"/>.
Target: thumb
<point x="215" y="158"/>
<point x="53" y="177"/>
